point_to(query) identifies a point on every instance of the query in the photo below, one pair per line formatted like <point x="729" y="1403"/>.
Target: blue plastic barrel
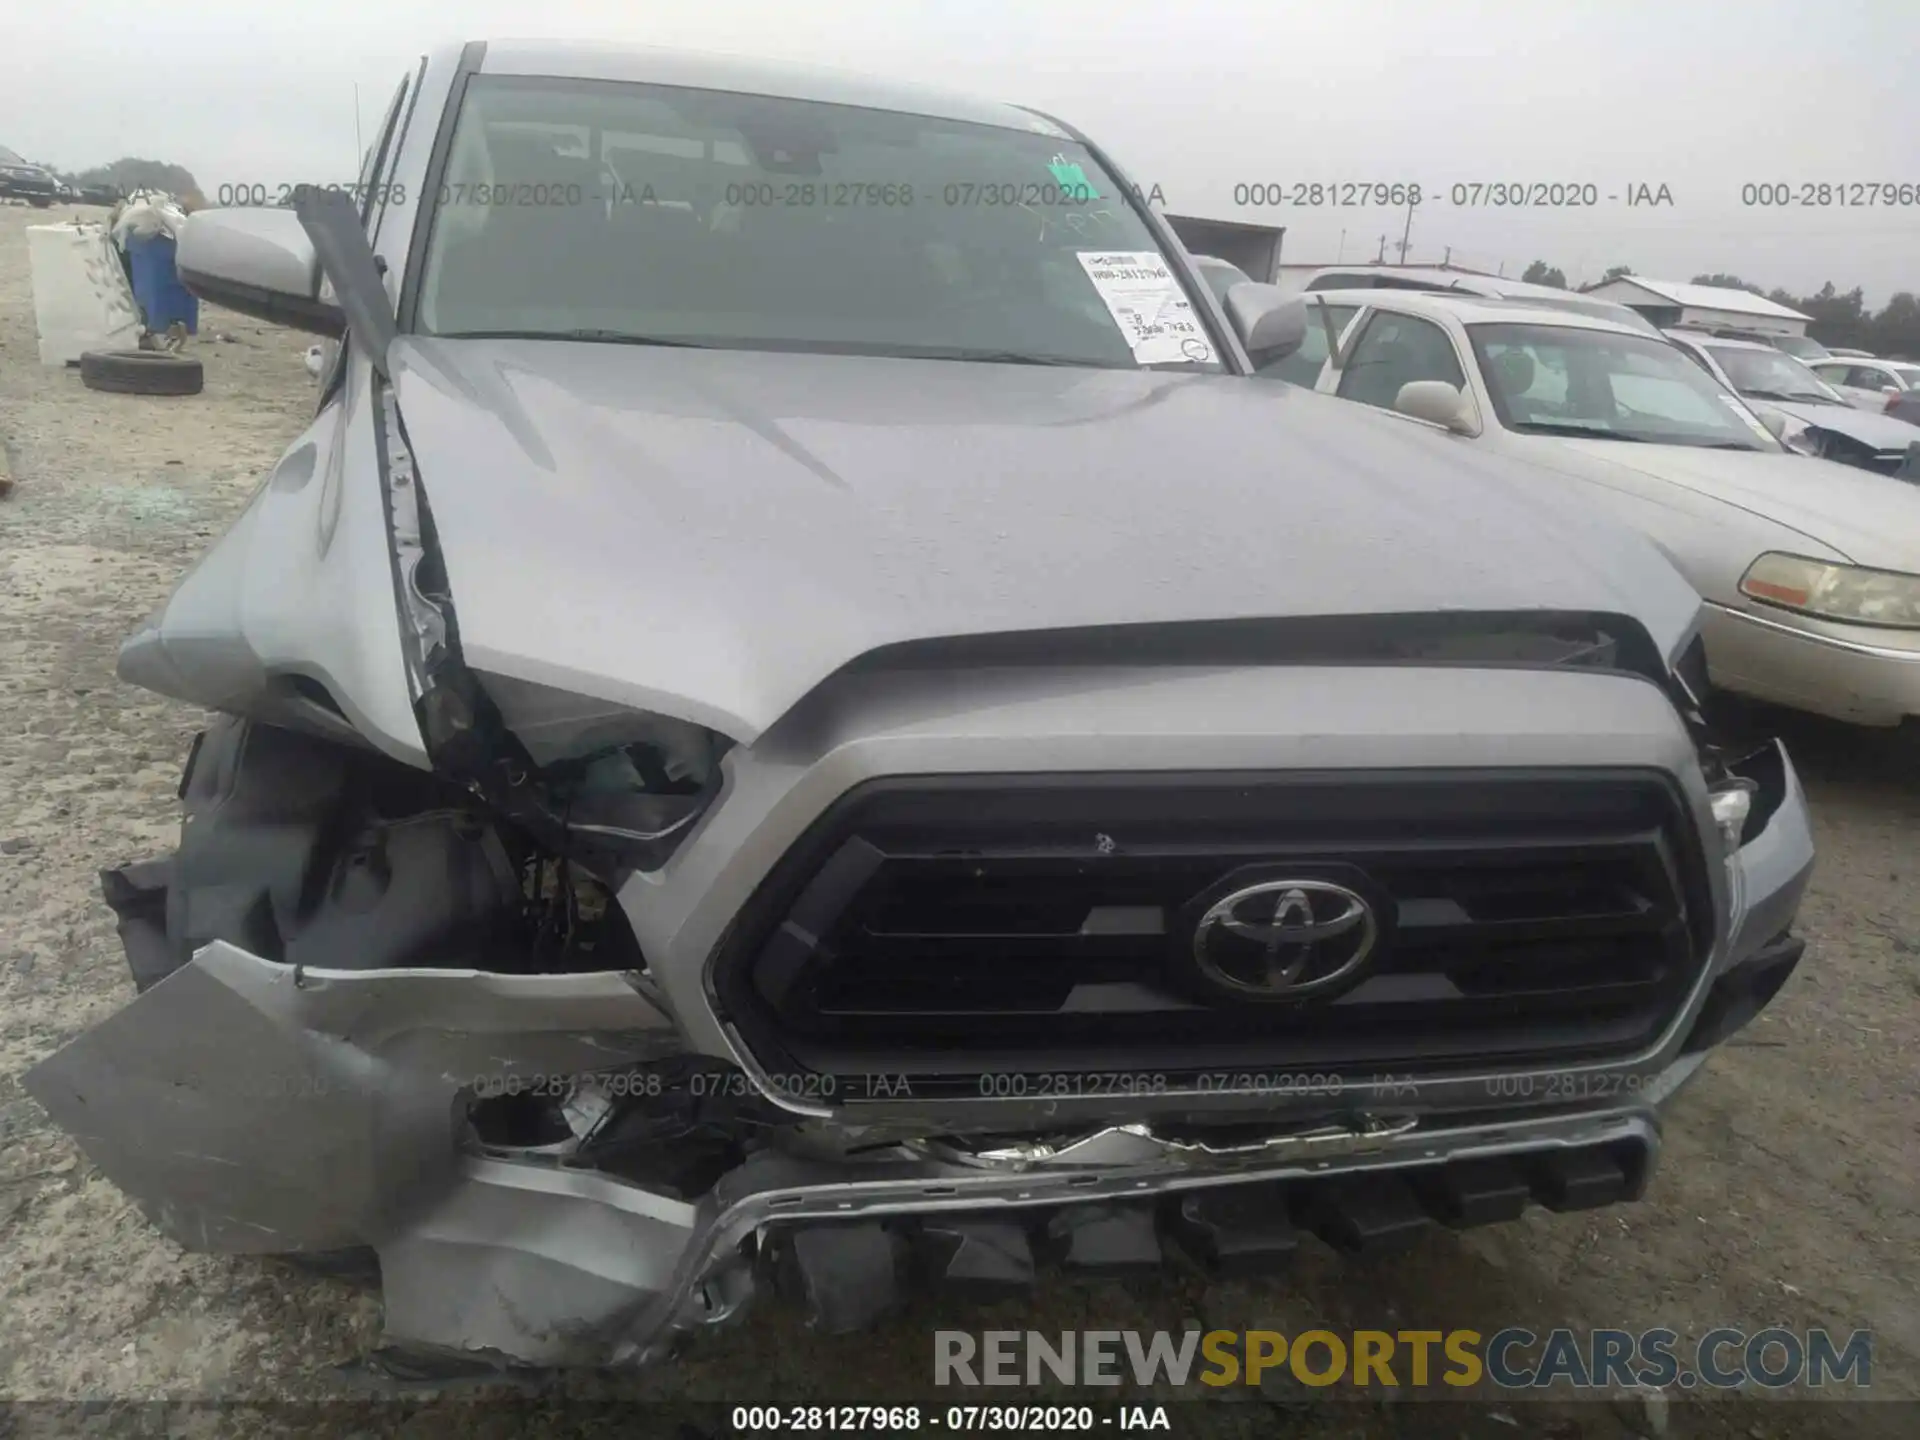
<point x="156" y="284"/>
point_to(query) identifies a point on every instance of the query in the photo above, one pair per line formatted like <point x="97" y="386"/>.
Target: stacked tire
<point x="141" y="372"/>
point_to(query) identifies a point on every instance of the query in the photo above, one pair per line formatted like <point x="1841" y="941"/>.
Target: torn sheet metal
<point x="549" y="1267"/>
<point x="1138" y="1145"/>
<point x="251" y="1107"/>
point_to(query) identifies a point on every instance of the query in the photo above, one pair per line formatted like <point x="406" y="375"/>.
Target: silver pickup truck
<point x="797" y="717"/>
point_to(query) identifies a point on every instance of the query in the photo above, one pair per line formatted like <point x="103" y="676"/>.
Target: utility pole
<point x="1343" y="248"/>
<point x="359" y="151"/>
<point x="1381" y="258"/>
<point x="1448" y="260"/>
<point x="1406" y="235"/>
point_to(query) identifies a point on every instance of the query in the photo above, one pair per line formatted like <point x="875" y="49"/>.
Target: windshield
<point x="656" y="214"/>
<point x="1557" y="380"/>
<point x="1771" y="375"/>
<point x="1907" y="375"/>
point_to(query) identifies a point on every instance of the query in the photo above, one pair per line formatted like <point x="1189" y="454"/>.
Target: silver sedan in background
<point x="1773" y="383"/>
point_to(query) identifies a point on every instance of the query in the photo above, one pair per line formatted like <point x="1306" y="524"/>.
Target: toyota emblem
<point x="1285" y="939"/>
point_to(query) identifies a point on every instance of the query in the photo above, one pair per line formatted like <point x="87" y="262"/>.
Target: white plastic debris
<point x="148" y="213"/>
<point x="585" y="1108"/>
<point x="81" y="298"/>
<point x="1658" y="1419"/>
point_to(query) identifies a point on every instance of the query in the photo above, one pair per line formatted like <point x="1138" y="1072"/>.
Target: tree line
<point x="128" y="174"/>
<point x="1836" y="317"/>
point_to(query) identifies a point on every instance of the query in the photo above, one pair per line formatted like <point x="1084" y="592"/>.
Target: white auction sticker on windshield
<point x="1147" y="303"/>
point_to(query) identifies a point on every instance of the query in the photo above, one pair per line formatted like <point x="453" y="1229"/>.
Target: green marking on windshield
<point x="1072" y="178"/>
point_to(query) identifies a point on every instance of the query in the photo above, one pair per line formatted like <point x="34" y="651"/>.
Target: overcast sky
<point x="1195" y="96"/>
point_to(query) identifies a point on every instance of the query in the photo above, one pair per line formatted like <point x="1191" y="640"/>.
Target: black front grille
<point x="943" y="929"/>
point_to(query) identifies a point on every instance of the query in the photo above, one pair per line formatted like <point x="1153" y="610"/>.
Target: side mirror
<point x="1890" y="390"/>
<point x="1438" y="402"/>
<point x="259" y="261"/>
<point x="1271" y="323"/>
<point x="1774" y="420"/>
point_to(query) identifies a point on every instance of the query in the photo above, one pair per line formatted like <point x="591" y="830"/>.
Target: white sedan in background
<point x="1810" y="570"/>
<point x="1867" y="382"/>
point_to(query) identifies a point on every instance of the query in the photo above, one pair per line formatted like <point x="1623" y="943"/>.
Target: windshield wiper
<point x="1584" y="432"/>
<point x="611" y="337"/>
<point x="1788" y="396"/>
<point x="999" y="357"/>
<point x="816" y="347"/>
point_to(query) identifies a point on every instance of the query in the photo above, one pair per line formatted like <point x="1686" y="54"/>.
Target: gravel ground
<point x="1787" y="1192"/>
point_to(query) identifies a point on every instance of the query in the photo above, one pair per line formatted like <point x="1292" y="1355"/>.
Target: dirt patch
<point x="1786" y="1194"/>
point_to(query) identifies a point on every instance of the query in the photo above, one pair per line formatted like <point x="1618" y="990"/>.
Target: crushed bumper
<point x="251" y="1110"/>
<point x="1356" y="1190"/>
<point x="255" y="1107"/>
<point x="327" y="1114"/>
<point x="258" y="1108"/>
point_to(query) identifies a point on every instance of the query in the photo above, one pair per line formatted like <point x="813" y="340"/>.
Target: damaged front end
<point x="376" y="1015"/>
<point x="388" y="937"/>
<point x="482" y="976"/>
<point x="548" y="1181"/>
<point x="613" y="788"/>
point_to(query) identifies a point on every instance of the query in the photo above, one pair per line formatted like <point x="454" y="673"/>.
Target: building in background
<point x="1670" y="304"/>
<point x="1254" y="248"/>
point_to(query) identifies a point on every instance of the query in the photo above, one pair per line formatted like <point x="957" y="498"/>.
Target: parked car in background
<point x="790" y="698"/>
<point x="1452" y="282"/>
<point x="1324" y="321"/>
<point x="1585" y="305"/>
<point x="1390" y="277"/>
<point x="1810" y="570"/>
<point x="1847" y="352"/>
<point x="1868" y="383"/>
<point x="1328" y="313"/>
<point x="1801" y="347"/>
<point x="21" y="179"/>
<point x="1772" y="381"/>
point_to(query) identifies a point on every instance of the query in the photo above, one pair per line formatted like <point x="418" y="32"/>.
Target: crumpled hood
<point x="1876" y="431"/>
<point x="710" y="534"/>
<point x="1869" y="518"/>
